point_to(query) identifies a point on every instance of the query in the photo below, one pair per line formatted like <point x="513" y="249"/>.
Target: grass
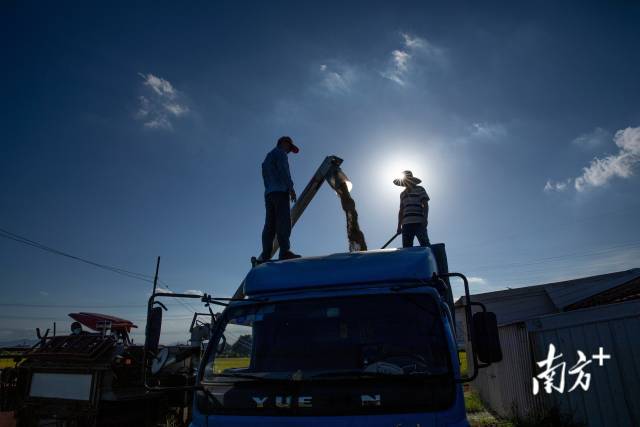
<point x="472" y="402"/>
<point x="223" y="363"/>
<point x="7" y="360"/>
<point x="462" y="355"/>
<point x="477" y="414"/>
<point x="7" y="363"/>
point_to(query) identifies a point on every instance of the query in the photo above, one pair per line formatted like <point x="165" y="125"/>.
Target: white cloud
<point x="557" y="186"/>
<point x="402" y="60"/>
<point x="422" y="46"/>
<point x="336" y="78"/>
<point x="629" y="140"/>
<point x="413" y="42"/>
<point x="397" y="71"/>
<point x="176" y="109"/>
<point x="602" y="170"/>
<point x="335" y="82"/>
<point x="161" y="104"/>
<point x="159" y="85"/>
<point x="593" y="139"/>
<point x="488" y="130"/>
<point x="476" y="280"/>
<point x="194" y="292"/>
<point x="484" y="132"/>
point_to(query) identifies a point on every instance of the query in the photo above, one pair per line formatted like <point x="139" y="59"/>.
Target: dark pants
<point x="409" y="231"/>
<point x="277" y="222"/>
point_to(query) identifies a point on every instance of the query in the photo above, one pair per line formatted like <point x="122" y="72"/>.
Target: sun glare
<point x="392" y="167"/>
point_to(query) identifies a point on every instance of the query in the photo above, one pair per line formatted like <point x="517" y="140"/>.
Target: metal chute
<point x="330" y="172"/>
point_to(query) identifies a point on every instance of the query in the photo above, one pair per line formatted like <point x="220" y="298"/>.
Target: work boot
<point x="288" y="255"/>
<point x="262" y="259"/>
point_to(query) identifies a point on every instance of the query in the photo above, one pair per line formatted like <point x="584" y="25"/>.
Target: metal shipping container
<point x="612" y="397"/>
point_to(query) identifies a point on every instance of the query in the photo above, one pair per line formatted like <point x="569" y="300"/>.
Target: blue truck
<point x="349" y="339"/>
<point x="364" y="338"/>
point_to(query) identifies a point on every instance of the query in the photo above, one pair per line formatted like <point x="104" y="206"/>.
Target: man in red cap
<point x="278" y="190"/>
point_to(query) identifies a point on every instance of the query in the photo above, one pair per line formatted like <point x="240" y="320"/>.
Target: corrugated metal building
<point x="583" y="314"/>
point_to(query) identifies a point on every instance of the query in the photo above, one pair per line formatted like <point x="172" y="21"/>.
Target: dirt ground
<point x="7" y="420"/>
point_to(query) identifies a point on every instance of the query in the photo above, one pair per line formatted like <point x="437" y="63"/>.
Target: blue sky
<point x="131" y="132"/>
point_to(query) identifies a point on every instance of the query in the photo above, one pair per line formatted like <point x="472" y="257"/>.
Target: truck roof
<point x="341" y="269"/>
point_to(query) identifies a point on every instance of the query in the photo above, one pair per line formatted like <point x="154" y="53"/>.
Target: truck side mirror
<point x="153" y="330"/>
<point x="487" y="340"/>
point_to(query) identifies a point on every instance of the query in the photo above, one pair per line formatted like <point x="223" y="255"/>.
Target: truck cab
<point x="349" y="339"/>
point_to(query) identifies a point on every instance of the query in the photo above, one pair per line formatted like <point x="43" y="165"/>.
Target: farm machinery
<point x="94" y="376"/>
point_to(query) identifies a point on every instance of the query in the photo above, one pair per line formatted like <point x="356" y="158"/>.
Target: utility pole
<point x="155" y="278"/>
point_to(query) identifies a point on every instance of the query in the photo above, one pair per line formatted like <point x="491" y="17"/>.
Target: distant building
<point x="582" y="314"/>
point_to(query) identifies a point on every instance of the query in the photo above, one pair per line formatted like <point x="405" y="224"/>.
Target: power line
<point x="21" y="239"/>
<point x="127" y="273"/>
<point x="604" y="250"/>
<point x="82" y="305"/>
<point x="184" y="304"/>
<point x="548" y="227"/>
<point x="544" y="275"/>
<point x="584" y="269"/>
<point x="137" y="319"/>
<point x="20" y="304"/>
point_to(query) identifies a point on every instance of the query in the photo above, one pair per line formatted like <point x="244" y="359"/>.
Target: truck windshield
<point x="361" y="336"/>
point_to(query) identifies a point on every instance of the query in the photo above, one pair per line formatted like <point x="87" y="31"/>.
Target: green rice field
<point x="230" y="362"/>
<point x="6" y="361"/>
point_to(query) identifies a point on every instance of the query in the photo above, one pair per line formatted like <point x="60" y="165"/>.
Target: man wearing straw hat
<point x="414" y="210"/>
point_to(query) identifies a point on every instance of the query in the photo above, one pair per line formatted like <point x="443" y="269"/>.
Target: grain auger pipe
<point x="330" y="172"/>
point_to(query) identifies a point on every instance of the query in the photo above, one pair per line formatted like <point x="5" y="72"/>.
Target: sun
<point x="391" y="165"/>
<point x="394" y="168"/>
<point x="390" y="159"/>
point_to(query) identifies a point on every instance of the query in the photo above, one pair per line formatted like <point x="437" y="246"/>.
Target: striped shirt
<point x="411" y="205"/>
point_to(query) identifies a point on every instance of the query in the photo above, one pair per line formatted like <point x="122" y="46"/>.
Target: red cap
<point x="294" y="148"/>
